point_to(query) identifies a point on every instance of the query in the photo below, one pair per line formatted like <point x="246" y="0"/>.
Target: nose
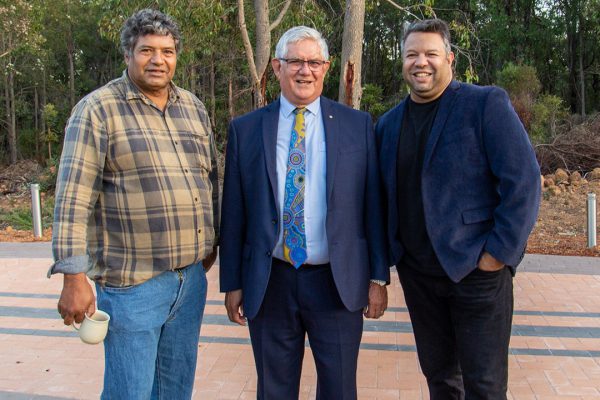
<point x="157" y="58"/>
<point x="304" y="69"/>
<point x="421" y="60"/>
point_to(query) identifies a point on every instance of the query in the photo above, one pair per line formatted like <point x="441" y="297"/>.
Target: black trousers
<point x="462" y="331"/>
<point x="297" y="303"/>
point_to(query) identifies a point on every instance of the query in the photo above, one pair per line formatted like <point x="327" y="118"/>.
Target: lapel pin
<point x="331" y="116"/>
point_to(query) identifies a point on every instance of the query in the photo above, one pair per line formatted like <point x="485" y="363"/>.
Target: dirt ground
<point x="560" y="228"/>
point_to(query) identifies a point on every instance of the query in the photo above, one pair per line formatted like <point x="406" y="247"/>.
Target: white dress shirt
<point x="315" y="193"/>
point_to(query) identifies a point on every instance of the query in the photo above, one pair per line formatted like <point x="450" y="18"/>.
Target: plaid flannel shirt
<point x="137" y="188"/>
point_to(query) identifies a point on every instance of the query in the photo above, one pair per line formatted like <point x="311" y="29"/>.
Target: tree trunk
<point x="36" y="117"/>
<point x="350" y="91"/>
<point x="12" y="123"/>
<point x="581" y="72"/>
<point x="7" y="112"/>
<point x="258" y="58"/>
<point x="71" y="57"/>
<point x="43" y="103"/>
<point x="230" y="100"/>
<point x="211" y="87"/>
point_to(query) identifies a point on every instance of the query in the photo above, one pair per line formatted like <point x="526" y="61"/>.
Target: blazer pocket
<point x="477" y="215"/>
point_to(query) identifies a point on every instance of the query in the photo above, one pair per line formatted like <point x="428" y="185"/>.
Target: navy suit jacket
<point x="250" y="213"/>
<point x="480" y="179"/>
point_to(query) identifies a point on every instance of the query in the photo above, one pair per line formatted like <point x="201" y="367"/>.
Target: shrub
<point x="548" y="111"/>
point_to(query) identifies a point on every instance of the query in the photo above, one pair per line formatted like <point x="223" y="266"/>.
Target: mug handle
<point x="73" y="324"/>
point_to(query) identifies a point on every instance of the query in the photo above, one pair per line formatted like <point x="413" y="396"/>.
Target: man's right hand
<point x="233" y="304"/>
<point x="76" y="299"/>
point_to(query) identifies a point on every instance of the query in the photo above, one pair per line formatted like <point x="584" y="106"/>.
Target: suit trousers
<point x="300" y="302"/>
<point x="462" y="331"/>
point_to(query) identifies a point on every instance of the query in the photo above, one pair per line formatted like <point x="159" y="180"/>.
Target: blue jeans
<point x="152" y="342"/>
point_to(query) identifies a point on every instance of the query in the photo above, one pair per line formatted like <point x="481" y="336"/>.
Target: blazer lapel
<point x="269" y="138"/>
<point x="390" y="149"/>
<point x="440" y="120"/>
<point x="331" y="126"/>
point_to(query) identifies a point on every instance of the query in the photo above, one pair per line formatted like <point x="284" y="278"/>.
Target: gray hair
<point x="148" y="22"/>
<point x="296" y="34"/>
<point x="431" y="26"/>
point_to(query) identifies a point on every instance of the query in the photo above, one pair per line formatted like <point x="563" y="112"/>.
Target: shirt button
<point x="195" y="199"/>
<point x="186" y="171"/>
<point x="176" y="142"/>
<point x="199" y="230"/>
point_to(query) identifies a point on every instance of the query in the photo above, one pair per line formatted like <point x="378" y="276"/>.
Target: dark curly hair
<point x="148" y="22"/>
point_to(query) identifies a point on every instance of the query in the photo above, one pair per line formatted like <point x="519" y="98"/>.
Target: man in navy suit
<point x="462" y="188"/>
<point x="302" y="235"/>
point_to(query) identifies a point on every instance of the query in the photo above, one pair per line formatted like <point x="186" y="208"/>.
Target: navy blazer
<point x="250" y="213"/>
<point x="480" y="179"/>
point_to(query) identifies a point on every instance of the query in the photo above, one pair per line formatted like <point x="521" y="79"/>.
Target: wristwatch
<point x="378" y="282"/>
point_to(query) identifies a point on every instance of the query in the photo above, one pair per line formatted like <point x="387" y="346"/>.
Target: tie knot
<point x="300" y="110"/>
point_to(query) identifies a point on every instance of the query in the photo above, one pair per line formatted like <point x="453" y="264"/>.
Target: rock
<point x="593" y="175"/>
<point x="554" y="190"/>
<point x="548" y="182"/>
<point x="575" y="177"/>
<point x="561" y="176"/>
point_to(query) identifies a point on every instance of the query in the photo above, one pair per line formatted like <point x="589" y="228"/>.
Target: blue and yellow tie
<point x="294" y="238"/>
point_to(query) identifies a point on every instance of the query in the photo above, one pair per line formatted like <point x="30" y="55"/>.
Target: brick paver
<point x="555" y="347"/>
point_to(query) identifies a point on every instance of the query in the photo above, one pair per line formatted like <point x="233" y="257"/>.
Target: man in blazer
<point x="462" y="188"/>
<point x="303" y="242"/>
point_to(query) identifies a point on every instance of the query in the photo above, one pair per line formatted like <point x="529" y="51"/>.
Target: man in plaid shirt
<point x="137" y="211"/>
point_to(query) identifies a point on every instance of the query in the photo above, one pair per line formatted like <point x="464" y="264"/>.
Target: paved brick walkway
<point x="555" y="347"/>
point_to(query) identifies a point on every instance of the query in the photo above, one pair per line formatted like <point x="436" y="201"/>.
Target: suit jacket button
<point x="274" y="221"/>
<point x="268" y="254"/>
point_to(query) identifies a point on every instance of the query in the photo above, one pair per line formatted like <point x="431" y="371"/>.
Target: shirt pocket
<point x="197" y="150"/>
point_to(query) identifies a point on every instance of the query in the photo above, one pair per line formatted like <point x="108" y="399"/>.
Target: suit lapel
<point x="444" y="110"/>
<point x="390" y="148"/>
<point x="331" y="126"/>
<point x="269" y="138"/>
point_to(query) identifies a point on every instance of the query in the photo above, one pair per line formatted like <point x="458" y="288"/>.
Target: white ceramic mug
<point x="93" y="329"/>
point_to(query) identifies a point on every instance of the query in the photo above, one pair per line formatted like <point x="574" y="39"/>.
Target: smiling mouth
<point x="303" y="82"/>
<point x="422" y="74"/>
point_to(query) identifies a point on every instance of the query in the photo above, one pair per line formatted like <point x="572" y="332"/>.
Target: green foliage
<point x="22" y="219"/>
<point x="47" y="179"/>
<point x="519" y="80"/>
<point x="548" y="111"/>
<point x="26" y="143"/>
<point x="372" y="100"/>
<point x="523" y="86"/>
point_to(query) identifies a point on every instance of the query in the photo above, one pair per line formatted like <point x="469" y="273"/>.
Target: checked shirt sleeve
<point x="77" y="187"/>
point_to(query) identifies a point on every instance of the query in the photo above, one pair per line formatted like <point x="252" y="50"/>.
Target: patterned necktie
<point x="294" y="238"/>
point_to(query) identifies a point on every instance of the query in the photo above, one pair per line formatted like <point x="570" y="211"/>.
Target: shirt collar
<point x="133" y="92"/>
<point x="286" y="108"/>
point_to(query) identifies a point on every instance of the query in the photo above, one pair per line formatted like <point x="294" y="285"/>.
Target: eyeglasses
<point x="295" y="64"/>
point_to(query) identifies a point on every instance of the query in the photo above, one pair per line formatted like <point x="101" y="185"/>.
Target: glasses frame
<point x="313" y="65"/>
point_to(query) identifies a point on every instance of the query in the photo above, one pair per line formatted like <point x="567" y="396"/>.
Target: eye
<point x="295" y="63"/>
<point x="314" y="64"/>
<point x="169" y="52"/>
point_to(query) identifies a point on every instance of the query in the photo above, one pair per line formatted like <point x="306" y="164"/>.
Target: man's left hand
<point x="378" y="301"/>
<point x="210" y="260"/>
<point x="488" y="263"/>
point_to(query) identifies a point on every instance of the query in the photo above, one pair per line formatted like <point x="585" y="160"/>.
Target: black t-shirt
<point x="412" y="233"/>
